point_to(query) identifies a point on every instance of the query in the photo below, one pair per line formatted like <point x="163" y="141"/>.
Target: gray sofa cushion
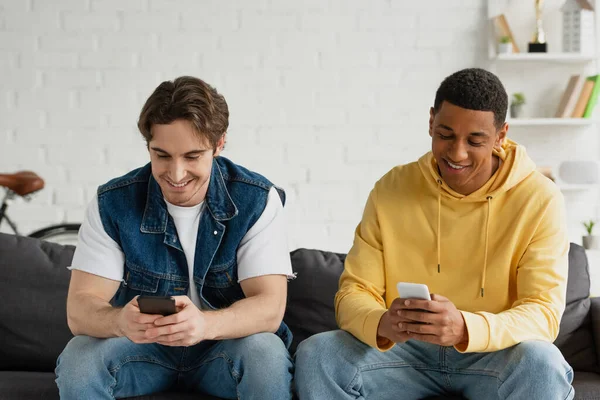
<point x="587" y="385"/>
<point x="310" y="307"/>
<point x="40" y="385"/>
<point x="34" y="282"/>
<point x="311" y="296"/>
<point x="596" y="325"/>
<point x="575" y="338"/>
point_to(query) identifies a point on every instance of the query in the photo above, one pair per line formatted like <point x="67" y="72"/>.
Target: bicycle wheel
<point x="62" y="234"/>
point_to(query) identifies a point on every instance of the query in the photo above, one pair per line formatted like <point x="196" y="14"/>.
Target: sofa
<point x="33" y="328"/>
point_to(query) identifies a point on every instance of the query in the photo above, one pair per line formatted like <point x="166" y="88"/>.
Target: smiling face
<point x="462" y="144"/>
<point x="181" y="162"/>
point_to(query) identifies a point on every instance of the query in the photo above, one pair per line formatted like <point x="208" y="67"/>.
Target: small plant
<point x="505" y="39"/>
<point x="589" y="227"/>
<point x="518" y="99"/>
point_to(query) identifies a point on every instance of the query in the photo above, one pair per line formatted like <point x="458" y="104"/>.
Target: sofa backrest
<point x="311" y="309"/>
<point x="575" y="339"/>
<point x="34" y="281"/>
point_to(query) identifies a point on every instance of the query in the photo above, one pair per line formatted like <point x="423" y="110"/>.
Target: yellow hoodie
<point x="499" y="254"/>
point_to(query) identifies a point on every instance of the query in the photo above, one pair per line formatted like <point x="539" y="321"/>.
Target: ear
<point x="501" y="135"/>
<point x="431" y="117"/>
<point x="220" y="145"/>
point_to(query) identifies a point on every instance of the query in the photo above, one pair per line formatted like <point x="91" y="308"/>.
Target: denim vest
<point x="134" y="214"/>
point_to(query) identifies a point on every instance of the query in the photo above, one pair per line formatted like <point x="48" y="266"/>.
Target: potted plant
<point x="516" y="105"/>
<point x="505" y="45"/>
<point x="590" y="241"/>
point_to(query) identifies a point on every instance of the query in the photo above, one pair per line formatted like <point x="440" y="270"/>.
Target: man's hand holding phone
<point x="434" y="321"/>
<point x="133" y="324"/>
<point x="186" y="327"/>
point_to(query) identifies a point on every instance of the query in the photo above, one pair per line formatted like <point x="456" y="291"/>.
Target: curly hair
<point x="474" y="89"/>
<point x="190" y="99"/>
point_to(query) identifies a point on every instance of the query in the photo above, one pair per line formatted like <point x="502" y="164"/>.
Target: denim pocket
<point x="221" y="276"/>
<point x="137" y="279"/>
<point x="221" y="279"/>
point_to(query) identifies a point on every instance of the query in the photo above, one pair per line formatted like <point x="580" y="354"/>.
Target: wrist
<point x="115" y="318"/>
<point x="380" y="336"/>
<point x="465" y="334"/>
<point x="210" y="324"/>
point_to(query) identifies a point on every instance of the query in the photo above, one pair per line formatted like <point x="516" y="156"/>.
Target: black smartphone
<point x="157" y="305"/>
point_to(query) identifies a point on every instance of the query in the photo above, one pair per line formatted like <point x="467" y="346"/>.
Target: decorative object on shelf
<point x="579" y="172"/>
<point x="589" y="108"/>
<point x="504" y="29"/>
<point x="516" y="105"/>
<point x="584" y="97"/>
<point x="505" y="46"/>
<point x="538" y="43"/>
<point x="578" y="27"/>
<point x="570" y="96"/>
<point x="590" y="241"/>
<point x="550" y="122"/>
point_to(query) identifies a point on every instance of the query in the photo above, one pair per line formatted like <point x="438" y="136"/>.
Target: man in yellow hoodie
<point x="486" y="232"/>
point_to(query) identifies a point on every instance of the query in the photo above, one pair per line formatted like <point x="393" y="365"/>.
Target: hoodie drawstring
<point x="487" y="232"/>
<point x="439" y="218"/>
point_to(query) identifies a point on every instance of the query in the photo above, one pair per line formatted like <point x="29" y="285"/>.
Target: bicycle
<point x="25" y="184"/>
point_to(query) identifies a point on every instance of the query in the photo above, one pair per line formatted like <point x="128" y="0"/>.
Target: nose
<point x="177" y="171"/>
<point x="458" y="152"/>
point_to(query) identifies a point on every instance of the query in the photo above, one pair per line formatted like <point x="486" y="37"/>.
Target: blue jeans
<point x="255" y="367"/>
<point x="335" y="365"/>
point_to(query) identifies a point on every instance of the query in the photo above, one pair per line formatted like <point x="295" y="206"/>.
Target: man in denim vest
<point x="194" y="226"/>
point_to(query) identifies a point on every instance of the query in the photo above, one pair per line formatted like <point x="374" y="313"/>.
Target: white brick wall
<point x="325" y="95"/>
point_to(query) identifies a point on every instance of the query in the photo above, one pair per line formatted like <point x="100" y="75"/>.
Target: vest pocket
<point x="222" y="275"/>
<point x="220" y="279"/>
<point x="139" y="280"/>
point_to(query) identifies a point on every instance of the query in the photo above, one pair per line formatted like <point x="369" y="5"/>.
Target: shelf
<point x="550" y="121"/>
<point x="565" y="187"/>
<point x="547" y="57"/>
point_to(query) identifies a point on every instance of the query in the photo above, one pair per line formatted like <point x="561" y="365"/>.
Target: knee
<point x="325" y="357"/>
<point x="539" y="358"/>
<point x="322" y="346"/>
<point x="76" y="355"/>
<point x="265" y="349"/>
<point x="76" y="366"/>
<point x="260" y="359"/>
<point x="88" y="355"/>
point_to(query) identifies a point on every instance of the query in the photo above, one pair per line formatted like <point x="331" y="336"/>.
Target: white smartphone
<point x="413" y="291"/>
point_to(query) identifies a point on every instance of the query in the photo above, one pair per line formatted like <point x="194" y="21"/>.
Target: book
<point x="569" y="97"/>
<point x="583" y="99"/>
<point x="593" y="97"/>
<point x="504" y="29"/>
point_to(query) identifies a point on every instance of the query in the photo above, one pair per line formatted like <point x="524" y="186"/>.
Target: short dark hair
<point x="190" y="99"/>
<point x="474" y="89"/>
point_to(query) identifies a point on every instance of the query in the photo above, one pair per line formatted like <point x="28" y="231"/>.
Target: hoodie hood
<point x="514" y="167"/>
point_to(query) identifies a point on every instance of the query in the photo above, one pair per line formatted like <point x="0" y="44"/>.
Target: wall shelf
<point x="565" y="187"/>
<point x="547" y="57"/>
<point x="550" y="121"/>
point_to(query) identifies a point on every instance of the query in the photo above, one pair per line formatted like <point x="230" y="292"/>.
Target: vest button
<point x="215" y="232"/>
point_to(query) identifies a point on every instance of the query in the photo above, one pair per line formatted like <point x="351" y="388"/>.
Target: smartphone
<point x="413" y="291"/>
<point x="157" y="305"/>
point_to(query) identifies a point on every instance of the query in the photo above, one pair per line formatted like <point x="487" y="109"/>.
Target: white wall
<point x="325" y="95"/>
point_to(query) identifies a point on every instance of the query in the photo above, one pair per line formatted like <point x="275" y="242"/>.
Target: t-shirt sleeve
<point x="264" y="249"/>
<point x="97" y="253"/>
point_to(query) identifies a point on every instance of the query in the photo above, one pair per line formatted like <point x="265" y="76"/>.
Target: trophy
<point x="538" y="44"/>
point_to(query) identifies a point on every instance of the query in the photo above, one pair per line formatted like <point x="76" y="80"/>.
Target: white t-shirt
<point x="262" y="251"/>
